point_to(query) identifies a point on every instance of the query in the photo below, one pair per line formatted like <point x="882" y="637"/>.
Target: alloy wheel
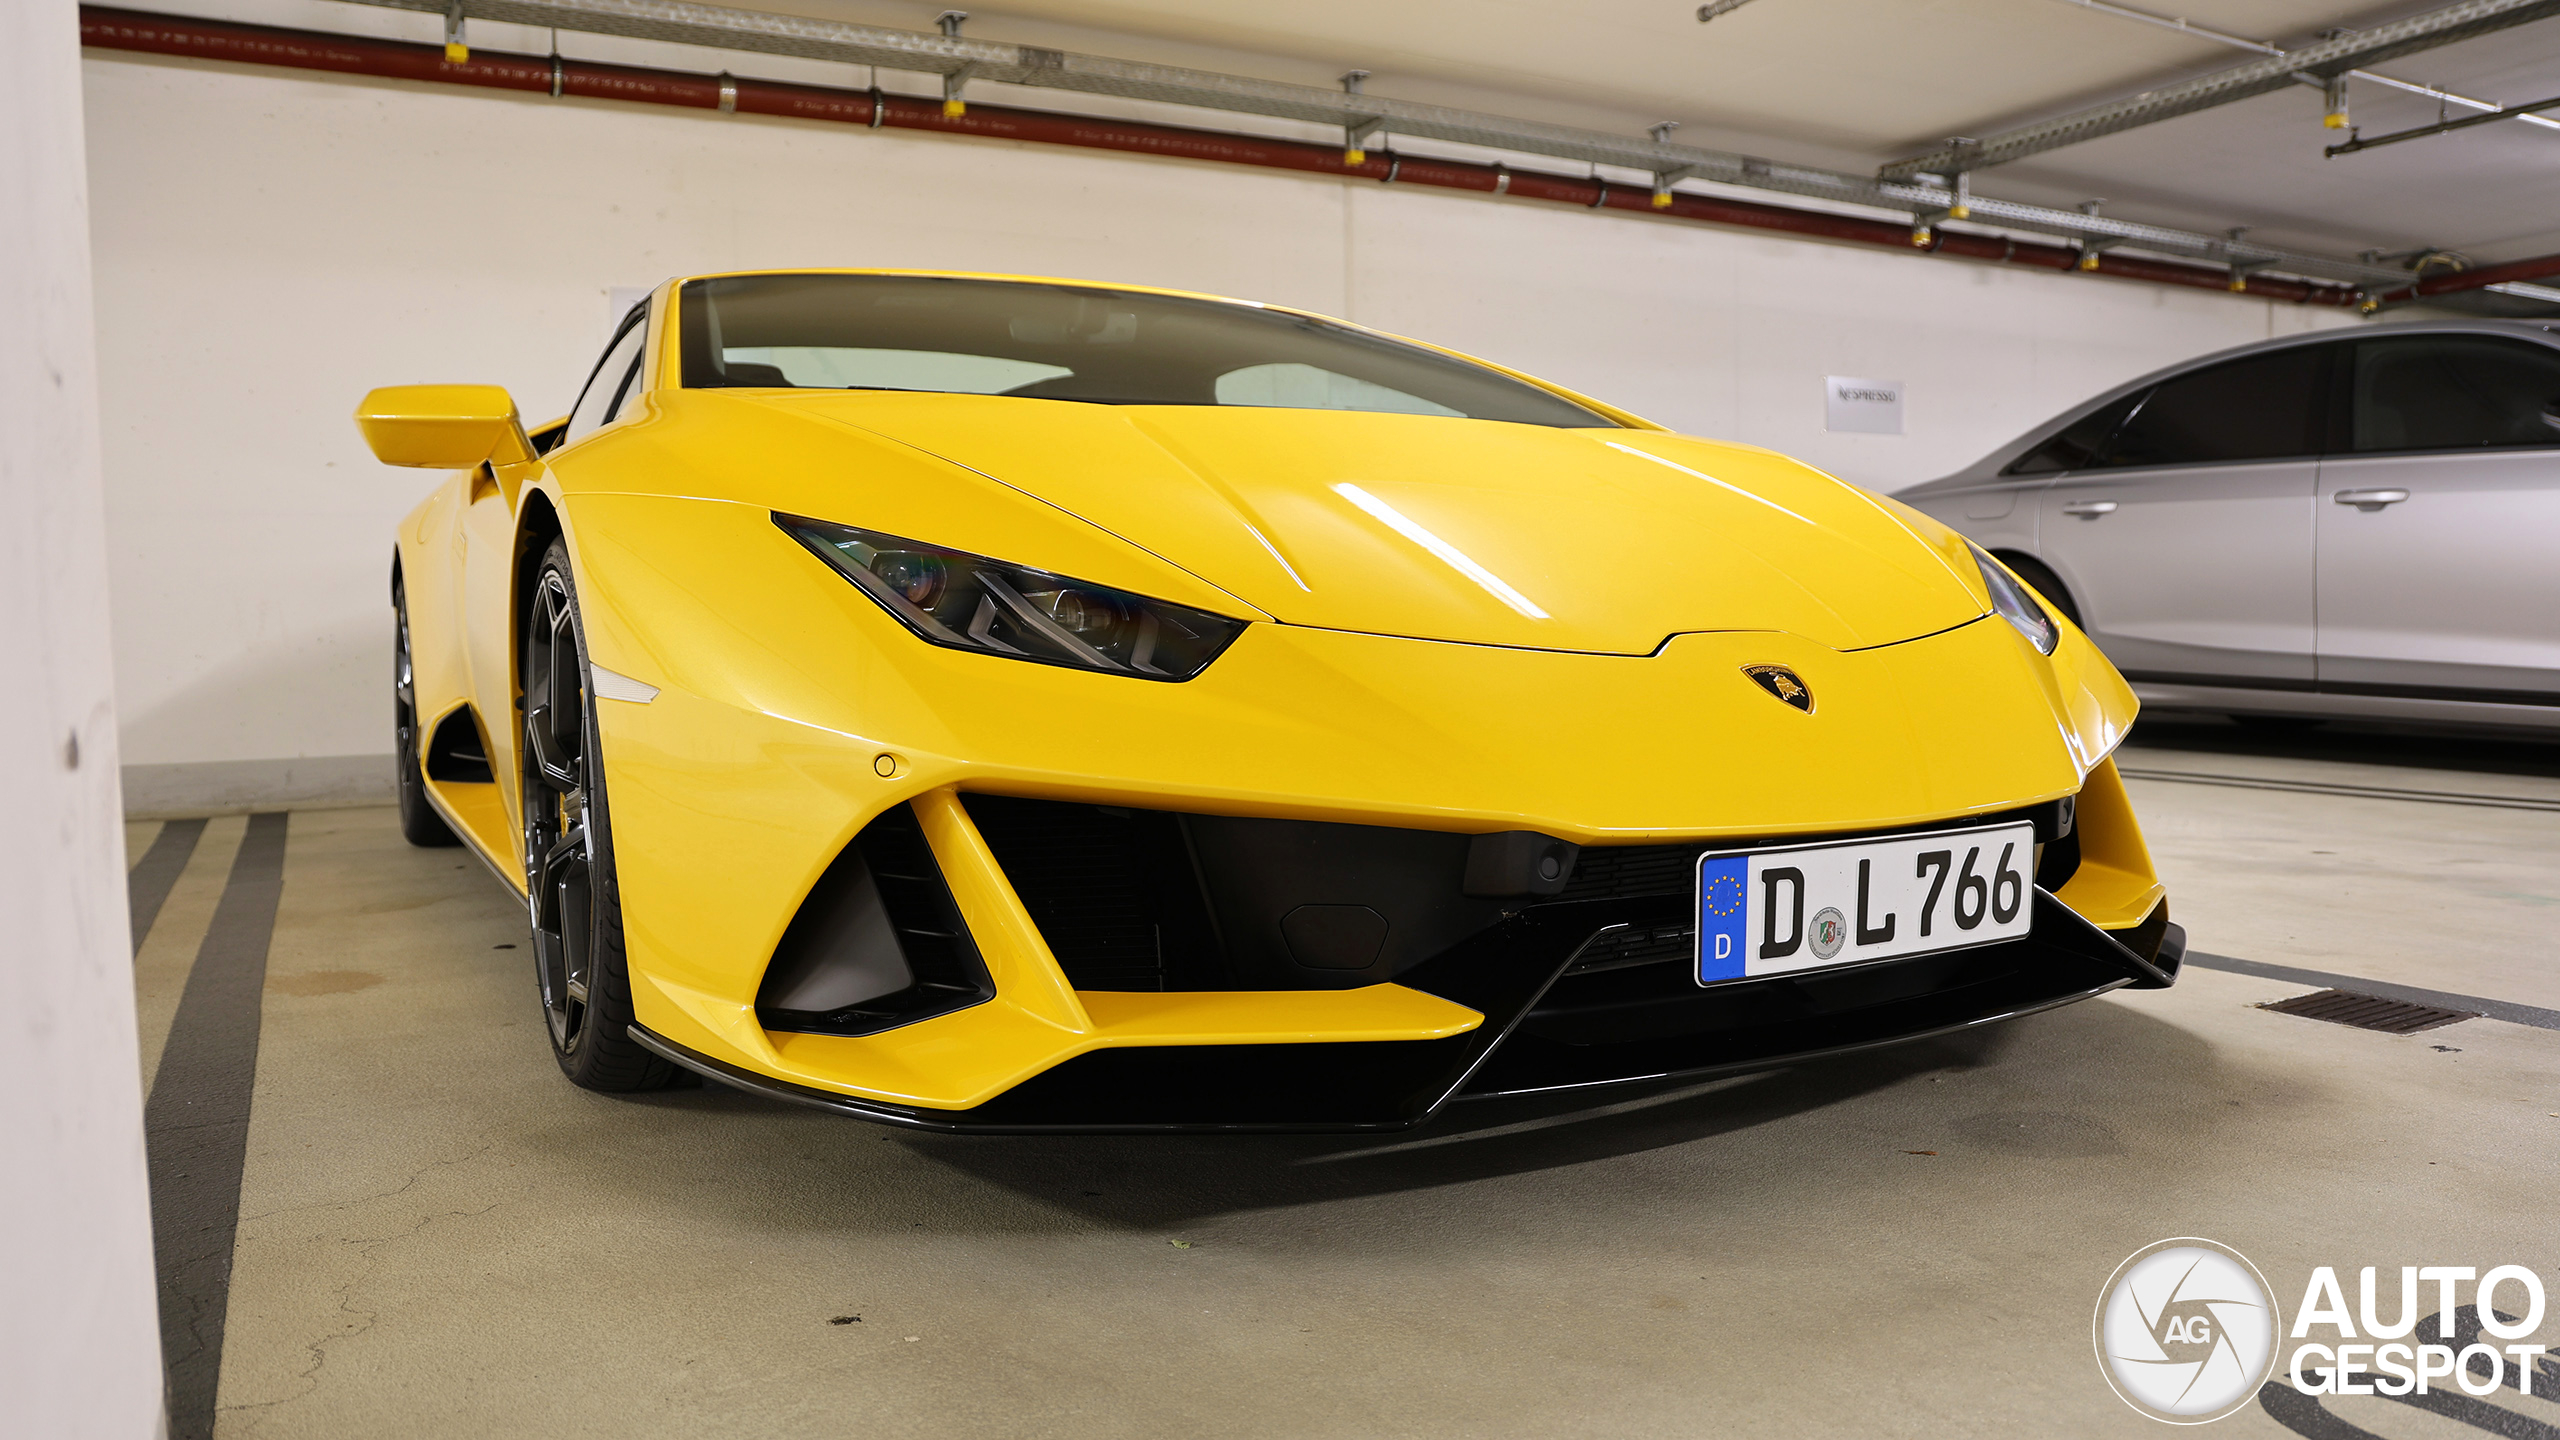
<point x="404" y="688"/>
<point x="559" y="854"/>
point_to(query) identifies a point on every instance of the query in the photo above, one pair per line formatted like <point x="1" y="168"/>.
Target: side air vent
<point x="455" y="754"/>
<point x="877" y="944"/>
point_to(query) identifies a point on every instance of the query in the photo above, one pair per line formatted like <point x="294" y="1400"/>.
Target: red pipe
<point x="112" y="29"/>
<point x="2540" y="267"/>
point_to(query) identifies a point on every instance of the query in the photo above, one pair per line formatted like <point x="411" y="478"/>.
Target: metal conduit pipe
<point x="2540" y="267"/>
<point x="2463" y="20"/>
<point x="958" y="59"/>
<point x="107" y="28"/>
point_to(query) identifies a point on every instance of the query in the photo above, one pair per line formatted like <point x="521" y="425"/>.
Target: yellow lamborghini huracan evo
<point x="1004" y="704"/>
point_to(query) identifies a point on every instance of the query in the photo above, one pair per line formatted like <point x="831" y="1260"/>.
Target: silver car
<point x="2359" y="523"/>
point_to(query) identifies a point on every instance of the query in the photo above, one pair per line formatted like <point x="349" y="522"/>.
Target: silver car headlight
<point x="969" y="602"/>
<point x="2016" y="603"/>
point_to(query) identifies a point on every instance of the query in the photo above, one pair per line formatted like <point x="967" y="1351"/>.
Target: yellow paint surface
<point x="1581" y="674"/>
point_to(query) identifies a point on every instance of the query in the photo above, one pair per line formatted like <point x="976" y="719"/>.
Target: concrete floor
<point x="439" y="1236"/>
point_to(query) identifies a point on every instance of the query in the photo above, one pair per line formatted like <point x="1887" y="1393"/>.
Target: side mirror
<point x="443" y="427"/>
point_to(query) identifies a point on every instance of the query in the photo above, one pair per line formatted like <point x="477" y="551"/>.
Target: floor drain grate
<point x="2368" y="1012"/>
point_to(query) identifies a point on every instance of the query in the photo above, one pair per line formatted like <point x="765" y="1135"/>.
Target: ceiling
<point x="1854" y="83"/>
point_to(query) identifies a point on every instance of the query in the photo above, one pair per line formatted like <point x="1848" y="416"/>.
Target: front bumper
<point x="1060" y="1008"/>
<point x="792" y="715"/>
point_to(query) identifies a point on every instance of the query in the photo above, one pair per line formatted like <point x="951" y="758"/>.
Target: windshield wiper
<point x="1114" y="400"/>
<point x="1009" y="395"/>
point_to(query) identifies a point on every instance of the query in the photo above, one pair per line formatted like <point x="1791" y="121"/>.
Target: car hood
<point x="1603" y="540"/>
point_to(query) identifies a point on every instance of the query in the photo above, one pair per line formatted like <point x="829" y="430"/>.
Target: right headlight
<point x="2016" y="603"/>
<point x="969" y="602"/>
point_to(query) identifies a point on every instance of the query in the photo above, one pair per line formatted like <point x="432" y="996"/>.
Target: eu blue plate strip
<point x="1724" y="909"/>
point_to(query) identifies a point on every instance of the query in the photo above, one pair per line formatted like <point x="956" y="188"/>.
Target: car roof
<point x="1988" y="468"/>
<point x="914" y="274"/>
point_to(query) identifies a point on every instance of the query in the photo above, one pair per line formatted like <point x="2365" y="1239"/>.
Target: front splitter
<point x="1502" y="972"/>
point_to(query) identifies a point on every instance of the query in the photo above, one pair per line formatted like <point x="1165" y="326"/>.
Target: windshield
<point x="1072" y="342"/>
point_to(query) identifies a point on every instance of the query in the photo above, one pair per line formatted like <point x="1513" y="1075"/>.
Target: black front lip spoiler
<point x="1502" y="972"/>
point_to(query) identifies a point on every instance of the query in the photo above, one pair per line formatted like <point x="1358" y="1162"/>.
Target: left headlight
<point x="969" y="602"/>
<point x="2016" y="603"/>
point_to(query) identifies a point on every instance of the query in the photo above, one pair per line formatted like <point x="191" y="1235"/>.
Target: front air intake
<point x="877" y="944"/>
<point x="1132" y="899"/>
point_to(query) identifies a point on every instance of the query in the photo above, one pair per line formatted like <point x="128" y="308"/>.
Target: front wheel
<point x="419" y="822"/>
<point x="568" y="847"/>
<point x="2040" y="577"/>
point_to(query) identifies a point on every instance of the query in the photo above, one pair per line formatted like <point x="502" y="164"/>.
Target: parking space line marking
<point x="2362" y="792"/>
<point x="196" y="1125"/>
<point x="2507" y="1010"/>
<point x="148" y="885"/>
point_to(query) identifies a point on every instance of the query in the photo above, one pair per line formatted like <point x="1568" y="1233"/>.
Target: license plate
<point x="1818" y="907"/>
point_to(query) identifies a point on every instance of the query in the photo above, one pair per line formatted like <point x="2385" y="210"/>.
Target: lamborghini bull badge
<point x="1782" y="682"/>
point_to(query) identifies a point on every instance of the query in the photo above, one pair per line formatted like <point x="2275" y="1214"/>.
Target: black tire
<point x="578" y="959"/>
<point x="2045" y="583"/>
<point x="420" y="825"/>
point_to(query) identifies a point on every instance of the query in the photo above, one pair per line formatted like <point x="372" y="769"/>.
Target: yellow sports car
<point x="1000" y="704"/>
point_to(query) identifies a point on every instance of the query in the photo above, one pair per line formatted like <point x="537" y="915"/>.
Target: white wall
<point x="79" y="1326"/>
<point x="270" y="244"/>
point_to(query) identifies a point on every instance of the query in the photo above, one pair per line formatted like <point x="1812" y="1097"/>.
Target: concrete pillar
<point x="79" y="1337"/>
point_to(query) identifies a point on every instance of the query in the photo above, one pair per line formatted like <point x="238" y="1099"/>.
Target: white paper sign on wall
<point x="1859" y="406"/>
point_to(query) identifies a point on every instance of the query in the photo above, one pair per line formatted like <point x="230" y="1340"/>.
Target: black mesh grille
<point x="1614" y="872"/>
<point x="919" y="905"/>
<point x="1083" y="872"/>
<point x="1132" y="899"/>
<point x="1638" y="945"/>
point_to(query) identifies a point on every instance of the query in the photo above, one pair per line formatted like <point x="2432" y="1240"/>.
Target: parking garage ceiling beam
<point x="948" y="54"/>
<point x="2193" y="30"/>
<point x="2319" y="60"/>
